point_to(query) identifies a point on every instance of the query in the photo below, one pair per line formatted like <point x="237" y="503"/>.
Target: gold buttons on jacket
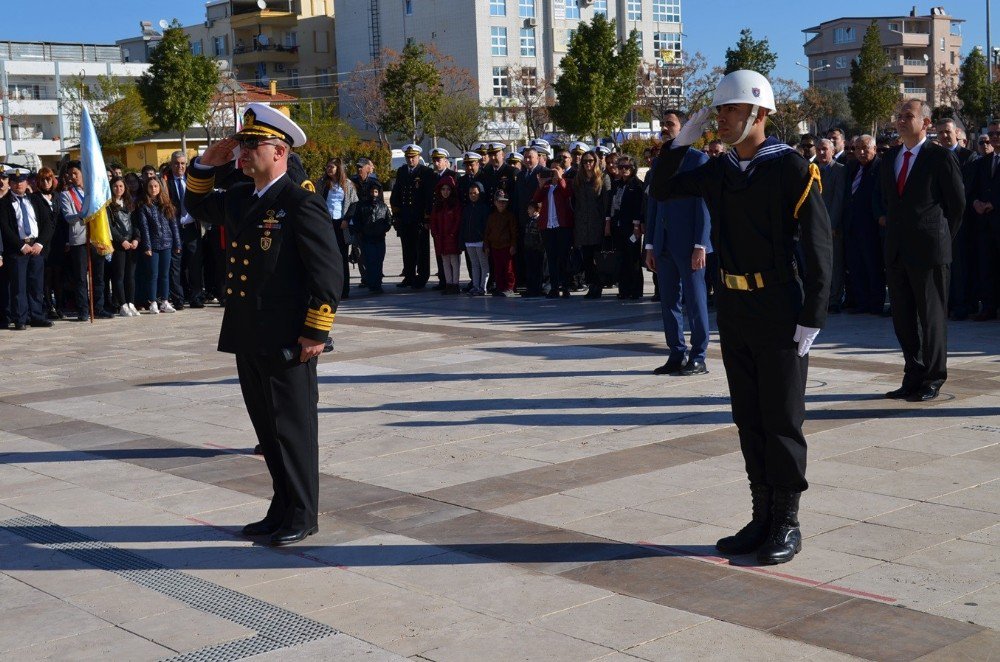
<point x="229" y="291"/>
<point x="235" y="244"/>
<point x="232" y="260"/>
<point x="243" y="277"/>
<point x="246" y="247"/>
<point x="230" y="274"/>
<point x="242" y="293"/>
<point x="246" y="262"/>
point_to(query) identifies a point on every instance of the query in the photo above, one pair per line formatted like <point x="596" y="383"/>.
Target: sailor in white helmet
<point x="762" y="197"/>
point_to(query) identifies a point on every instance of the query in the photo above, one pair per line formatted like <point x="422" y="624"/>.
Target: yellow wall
<point x="154" y="154"/>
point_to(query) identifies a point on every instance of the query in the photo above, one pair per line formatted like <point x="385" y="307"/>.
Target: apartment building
<point x="493" y="38"/>
<point x="33" y="76"/>
<point x="923" y="50"/>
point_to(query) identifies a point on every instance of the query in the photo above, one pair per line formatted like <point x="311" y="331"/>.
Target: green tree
<point x="413" y="93"/>
<point x="115" y="108"/>
<point x="753" y="54"/>
<point x="597" y="86"/>
<point x="178" y="86"/>
<point x="974" y="90"/>
<point x="329" y="136"/>
<point x="874" y="91"/>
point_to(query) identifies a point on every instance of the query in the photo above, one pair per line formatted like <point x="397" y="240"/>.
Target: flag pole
<point x="90" y="278"/>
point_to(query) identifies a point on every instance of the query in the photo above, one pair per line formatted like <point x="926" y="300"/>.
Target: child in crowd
<point x="501" y="241"/>
<point x="474" y="217"/>
<point x="446" y="225"/>
<point x="369" y="224"/>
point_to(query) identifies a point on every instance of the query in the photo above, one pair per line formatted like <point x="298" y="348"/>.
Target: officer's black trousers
<point x="281" y="399"/>
<point x="416" y="246"/>
<point x="767" y="384"/>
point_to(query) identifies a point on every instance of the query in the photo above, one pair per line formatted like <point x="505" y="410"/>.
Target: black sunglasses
<point x="254" y="143"/>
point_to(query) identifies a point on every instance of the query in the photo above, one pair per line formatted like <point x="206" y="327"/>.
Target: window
<point x="601" y="8"/>
<point x="293" y="78"/>
<point x="952" y="57"/>
<point x="501" y="82"/>
<point x="638" y="40"/>
<point x="529" y="80"/>
<point x="633" y="10"/>
<point x="573" y="9"/>
<point x="526" y="8"/>
<point x="569" y="36"/>
<point x="498" y="41"/>
<point x="291" y="39"/>
<point x="667" y="46"/>
<point x="956" y="29"/>
<point x="667" y="11"/>
<point x="844" y="35"/>
<point x="841" y="62"/>
<point x="821" y="63"/>
<point x="220" y="46"/>
<point x="942" y="44"/>
<point x="196" y="47"/>
<point x="409" y="7"/>
<point x="894" y="27"/>
<point x="528" y="42"/>
<point x="322" y="77"/>
<point x="498" y="7"/>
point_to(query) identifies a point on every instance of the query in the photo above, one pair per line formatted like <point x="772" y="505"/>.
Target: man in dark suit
<point x="985" y="211"/>
<point x="836" y="136"/>
<point x="677" y="244"/>
<point x="529" y="259"/>
<point x="961" y="293"/>
<point x="187" y="281"/>
<point x="862" y="244"/>
<point x="834" y="180"/>
<point x="282" y="290"/>
<point x="411" y="214"/>
<point x="924" y="199"/>
<point x="26" y="226"/>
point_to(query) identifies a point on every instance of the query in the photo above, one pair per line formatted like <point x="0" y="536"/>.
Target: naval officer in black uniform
<point x="761" y="196"/>
<point x="283" y="281"/>
<point x="411" y="215"/>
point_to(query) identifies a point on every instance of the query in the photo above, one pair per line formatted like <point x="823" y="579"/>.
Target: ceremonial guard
<point x="283" y="282"/>
<point x="411" y="196"/>
<point x="761" y="196"/>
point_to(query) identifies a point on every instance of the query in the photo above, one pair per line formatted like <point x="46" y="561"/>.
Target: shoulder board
<point x="309" y="186"/>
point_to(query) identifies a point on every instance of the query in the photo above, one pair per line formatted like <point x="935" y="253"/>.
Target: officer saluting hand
<point x="761" y="197"/>
<point x="284" y="277"/>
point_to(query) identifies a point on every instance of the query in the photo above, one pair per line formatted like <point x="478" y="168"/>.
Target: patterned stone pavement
<point x="502" y="479"/>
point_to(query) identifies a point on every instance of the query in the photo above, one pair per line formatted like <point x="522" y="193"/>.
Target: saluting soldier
<point x="284" y="277"/>
<point x="411" y="214"/>
<point x="760" y="197"/>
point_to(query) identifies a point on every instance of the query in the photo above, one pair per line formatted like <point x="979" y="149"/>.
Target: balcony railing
<point x="915" y="90"/>
<point x="43" y="52"/>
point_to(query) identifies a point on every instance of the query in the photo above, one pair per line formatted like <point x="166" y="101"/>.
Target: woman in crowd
<point x="446" y="225"/>
<point x="501" y="242"/>
<point x="369" y="223"/>
<point x="125" y="238"/>
<point x="556" y="224"/>
<point x="474" y="217"/>
<point x="624" y="223"/>
<point x="159" y="238"/>
<point x="133" y="184"/>
<point x="340" y="195"/>
<point x="45" y="186"/>
<point x="590" y="202"/>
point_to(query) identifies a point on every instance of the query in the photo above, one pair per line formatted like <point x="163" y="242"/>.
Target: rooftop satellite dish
<point x="262" y="39"/>
<point x="262" y="4"/>
<point x="163" y="24"/>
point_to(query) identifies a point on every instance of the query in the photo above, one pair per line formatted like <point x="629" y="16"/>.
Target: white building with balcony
<point x="924" y="51"/>
<point x="32" y="80"/>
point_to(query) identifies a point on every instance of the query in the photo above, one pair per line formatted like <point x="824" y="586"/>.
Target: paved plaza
<point x="502" y="479"/>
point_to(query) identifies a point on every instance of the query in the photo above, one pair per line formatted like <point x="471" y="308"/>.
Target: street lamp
<point x="811" y="70"/>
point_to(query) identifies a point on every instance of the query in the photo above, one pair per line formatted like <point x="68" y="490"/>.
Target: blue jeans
<point x="373" y="253"/>
<point x="158" y="275"/>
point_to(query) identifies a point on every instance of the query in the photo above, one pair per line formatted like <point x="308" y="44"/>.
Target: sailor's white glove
<point x="693" y="128"/>
<point x="805" y="336"/>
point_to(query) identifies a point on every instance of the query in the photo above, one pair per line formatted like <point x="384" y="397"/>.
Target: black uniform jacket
<point x="921" y="223"/>
<point x="284" y="272"/>
<point x="410" y="198"/>
<point x="11" y="238"/>
<point x="754" y="230"/>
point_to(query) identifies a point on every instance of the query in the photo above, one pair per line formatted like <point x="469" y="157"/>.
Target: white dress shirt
<point x="899" y="159"/>
<point x="32" y="222"/>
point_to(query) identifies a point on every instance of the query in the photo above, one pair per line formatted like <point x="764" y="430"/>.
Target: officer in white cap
<point x="282" y="290"/>
<point x="576" y="151"/>
<point x="412" y="193"/>
<point x="481" y="148"/>
<point x="498" y="175"/>
<point x="544" y="151"/>
<point x="515" y="159"/>
<point x="473" y="169"/>
<point x="762" y="196"/>
<point x="26" y="228"/>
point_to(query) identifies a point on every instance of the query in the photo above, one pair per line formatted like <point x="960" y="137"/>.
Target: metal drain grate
<point x="276" y="627"/>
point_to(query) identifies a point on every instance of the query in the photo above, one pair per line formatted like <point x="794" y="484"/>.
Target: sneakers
<point x="153" y="308"/>
<point x="166" y="307"/>
<point x="131" y="307"/>
<point x="124" y="311"/>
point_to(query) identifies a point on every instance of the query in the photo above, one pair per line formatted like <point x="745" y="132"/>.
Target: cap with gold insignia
<point x="541" y="142"/>
<point x="472" y="156"/>
<point x="579" y="147"/>
<point x="440" y="153"/>
<point x="265" y="122"/>
<point x="602" y="150"/>
<point x="413" y="149"/>
<point x="515" y="156"/>
<point x="496" y="147"/>
<point x="480" y="148"/>
<point x="18" y="175"/>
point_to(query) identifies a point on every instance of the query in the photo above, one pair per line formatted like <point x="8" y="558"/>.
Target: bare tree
<point x="364" y="86"/>
<point x="531" y="97"/>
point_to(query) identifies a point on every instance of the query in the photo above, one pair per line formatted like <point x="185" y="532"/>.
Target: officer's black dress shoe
<point x="104" y="315"/>
<point x="196" y="304"/>
<point x="403" y="283"/>
<point x="671" y="367"/>
<point x="289" y="536"/>
<point x="261" y="528"/>
<point x="902" y="393"/>
<point x="257" y="450"/>
<point x="694" y="368"/>
<point x="19" y="327"/>
<point x="925" y="393"/>
<point x="42" y="323"/>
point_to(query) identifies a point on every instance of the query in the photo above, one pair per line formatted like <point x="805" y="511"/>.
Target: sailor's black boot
<point x="785" y="540"/>
<point x="753" y="535"/>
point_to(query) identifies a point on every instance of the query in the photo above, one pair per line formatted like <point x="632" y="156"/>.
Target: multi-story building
<point x="923" y="50"/>
<point x="496" y="40"/>
<point x="286" y="41"/>
<point x="33" y="77"/>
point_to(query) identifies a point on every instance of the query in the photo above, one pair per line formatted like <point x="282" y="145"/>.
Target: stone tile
<point x="203" y="500"/>
<point x="402" y="513"/>
<point x="821" y="565"/>
<point x="123" y="602"/>
<point x="936" y="518"/>
<point x="629" y="525"/>
<point x="554" y="509"/>
<point x="850" y="504"/>
<point x="877" y="631"/>
<point x="981" y="497"/>
<point x="41" y="622"/>
<point x="981" y="607"/>
<point x="98" y="645"/>
<point x="960" y="558"/>
<point x="877" y="542"/>
<point x="989" y="536"/>
<point x="892" y="459"/>
<point x="489" y="493"/>
<point x="648" y="578"/>
<point x="619" y="622"/>
<point x="910" y="586"/>
<point x="476" y="529"/>
<point x="381" y="549"/>
<point x="727" y="642"/>
<point x="14" y="594"/>
<point x="340" y="647"/>
<point x="558" y="551"/>
<point x="186" y="629"/>
<point x="980" y="647"/>
<point x="517" y="643"/>
<point x="317" y="589"/>
<point x="963" y="469"/>
<point x="524" y="597"/>
<point x="224" y="469"/>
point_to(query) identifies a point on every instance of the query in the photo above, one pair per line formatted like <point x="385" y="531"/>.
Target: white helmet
<point x="744" y="86"/>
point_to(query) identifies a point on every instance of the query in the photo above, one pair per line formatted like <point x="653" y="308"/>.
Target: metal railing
<point x="45" y="52"/>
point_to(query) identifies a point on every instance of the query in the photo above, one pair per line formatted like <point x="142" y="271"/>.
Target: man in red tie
<point x="924" y="199"/>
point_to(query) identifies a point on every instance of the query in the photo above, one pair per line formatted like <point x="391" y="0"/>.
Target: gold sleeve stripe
<point x="196" y="185"/>
<point x="320" y="326"/>
<point x="316" y="319"/>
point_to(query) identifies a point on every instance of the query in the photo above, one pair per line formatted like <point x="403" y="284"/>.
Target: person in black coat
<point x="984" y="196"/>
<point x="924" y="199"/>
<point x="624" y="223"/>
<point x="411" y="214"/>
<point x="862" y="241"/>
<point x="187" y="283"/>
<point x="26" y="227"/>
<point x="369" y="224"/>
<point x="282" y="289"/>
<point x="530" y="253"/>
<point x="125" y="237"/>
<point x="964" y="274"/>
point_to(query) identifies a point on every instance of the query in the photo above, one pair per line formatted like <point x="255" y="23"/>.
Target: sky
<point x="710" y="26"/>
